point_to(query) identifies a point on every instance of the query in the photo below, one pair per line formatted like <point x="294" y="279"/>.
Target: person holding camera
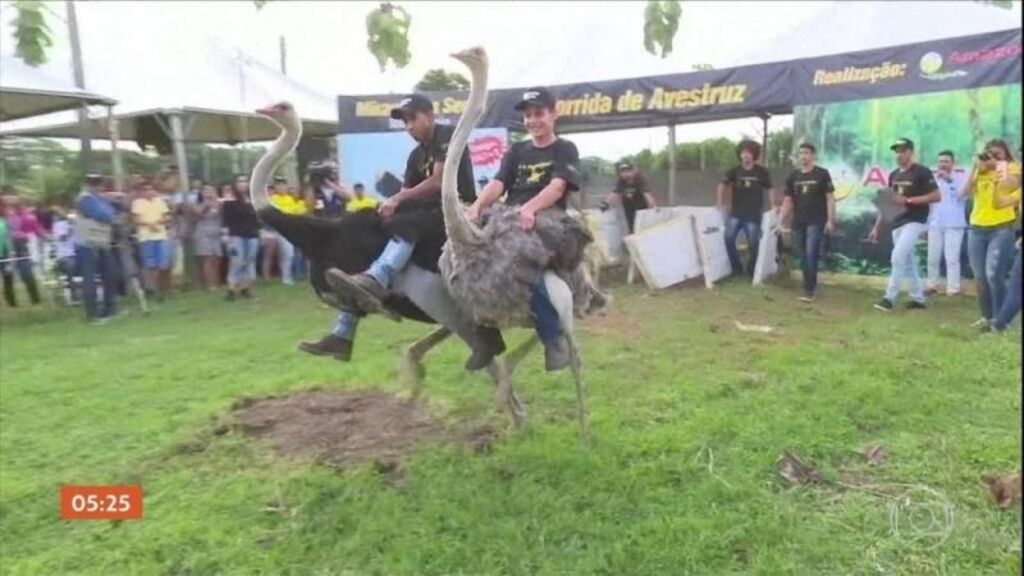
<point x="1011" y="304"/>
<point x="990" y="238"/>
<point x="206" y="234"/>
<point x="327" y="197"/>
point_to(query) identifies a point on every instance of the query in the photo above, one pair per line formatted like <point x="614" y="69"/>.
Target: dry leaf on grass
<point x="796" y="472"/>
<point x="754" y="328"/>
<point x="876" y="454"/>
<point x="1005" y="489"/>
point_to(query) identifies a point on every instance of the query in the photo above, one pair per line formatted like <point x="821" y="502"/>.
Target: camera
<point x="321" y="171"/>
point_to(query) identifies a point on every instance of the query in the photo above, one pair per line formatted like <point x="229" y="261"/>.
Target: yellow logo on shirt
<point x="535" y="172"/>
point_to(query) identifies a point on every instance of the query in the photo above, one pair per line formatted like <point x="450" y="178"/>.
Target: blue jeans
<point x="549" y="328"/>
<point x="904" y="262"/>
<point x="809" y="239"/>
<point x="93" y="261"/>
<point x="394" y="257"/>
<point x="345" y="326"/>
<point x="242" y="260"/>
<point x="990" y="251"/>
<point x="1011" y="304"/>
<point x="732" y="231"/>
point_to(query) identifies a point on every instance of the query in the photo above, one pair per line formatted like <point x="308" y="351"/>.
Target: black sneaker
<point x="885" y="305"/>
<point x="556" y="356"/>
<point x="329" y="345"/>
<point x="915" y="305"/>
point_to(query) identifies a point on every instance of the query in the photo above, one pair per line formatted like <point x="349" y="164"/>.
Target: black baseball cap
<point x="408" y="107"/>
<point x="94" y="178"/>
<point x="536" y="97"/>
<point x="902" y="144"/>
<point x="623" y="165"/>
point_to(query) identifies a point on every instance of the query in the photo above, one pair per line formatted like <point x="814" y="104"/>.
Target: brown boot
<point x="329" y="345"/>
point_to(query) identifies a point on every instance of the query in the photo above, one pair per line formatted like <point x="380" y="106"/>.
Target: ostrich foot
<point x="412" y="370"/>
<point x="506" y="397"/>
<point x="361" y="290"/>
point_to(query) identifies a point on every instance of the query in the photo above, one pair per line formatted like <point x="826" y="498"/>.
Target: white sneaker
<point x="980" y="323"/>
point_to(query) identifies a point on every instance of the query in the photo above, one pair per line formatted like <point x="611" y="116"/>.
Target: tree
<point x="388" y="31"/>
<point x="438" y="80"/>
<point x="661" y="20"/>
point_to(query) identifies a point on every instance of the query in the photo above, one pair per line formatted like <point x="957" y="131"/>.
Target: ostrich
<point x="351" y="242"/>
<point x="491" y="271"/>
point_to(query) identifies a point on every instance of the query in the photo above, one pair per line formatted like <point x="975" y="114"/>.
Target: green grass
<point x="689" y="416"/>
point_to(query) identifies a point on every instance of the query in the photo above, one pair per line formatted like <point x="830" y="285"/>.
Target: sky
<point x="529" y="43"/>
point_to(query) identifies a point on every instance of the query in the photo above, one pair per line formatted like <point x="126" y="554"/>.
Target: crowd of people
<point x="107" y="244"/>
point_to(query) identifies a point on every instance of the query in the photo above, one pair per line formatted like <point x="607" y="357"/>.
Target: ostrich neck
<point x="460" y="230"/>
<point x="284" y="144"/>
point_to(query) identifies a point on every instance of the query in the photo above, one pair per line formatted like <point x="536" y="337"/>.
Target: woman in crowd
<point x="990" y="238"/>
<point x="243" y="231"/>
<point x="1009" y="197"/>
<point x="206" y="234"/>
<point x="21" y="227"/>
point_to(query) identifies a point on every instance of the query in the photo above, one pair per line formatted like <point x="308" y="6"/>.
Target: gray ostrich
<point x="491" y="270"/>
<point x="350" y="243"/>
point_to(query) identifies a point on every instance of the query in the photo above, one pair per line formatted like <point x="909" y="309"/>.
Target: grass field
<point x="689" y="416"/>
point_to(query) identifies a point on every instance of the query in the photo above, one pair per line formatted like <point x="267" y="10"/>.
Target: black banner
<point x="950" y="64"/>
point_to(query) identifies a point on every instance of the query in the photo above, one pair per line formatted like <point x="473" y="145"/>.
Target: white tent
<point x="27" y="91"/>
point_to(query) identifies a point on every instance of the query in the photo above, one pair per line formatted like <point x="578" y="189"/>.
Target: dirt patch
<point x="339" y="428"/>
<point x="615" y="323"/>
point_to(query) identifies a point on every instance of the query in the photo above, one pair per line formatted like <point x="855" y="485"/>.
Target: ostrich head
<point x="474" y="58"/>
<point x="284" y="115"/>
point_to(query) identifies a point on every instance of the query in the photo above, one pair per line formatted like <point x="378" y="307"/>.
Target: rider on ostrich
<point x="537" y="175"/>
<point x="413" y="213"/>
<point x="353" y="241"/>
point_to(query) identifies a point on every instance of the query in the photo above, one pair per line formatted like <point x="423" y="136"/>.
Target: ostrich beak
<point x="464" y="56"/>
<point x="268" y="111"/>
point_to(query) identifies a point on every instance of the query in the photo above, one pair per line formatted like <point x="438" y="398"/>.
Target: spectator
<point x="947" y="222"/>
<point x="206" y="236"/>
<point x="631" y="190"/>
<point x="913" y="188"/>
<point x="6" y="253"/>
<point x="359" y="201"/>
<point x="741" y="201"/>
<point x="990" y="237"/>
<point x="183" y="226"/>
<point x="151" y="217"/>
<point x="810" y="201"/>
<point x="275" y="246"/>
<point x="322" y="192"/>
<point x="93" y="236"/>
<point x="1007" y="197"/>
<point x="243" y="230"/>
<point x="21" y="226"/>
<point x="64" y="245"/>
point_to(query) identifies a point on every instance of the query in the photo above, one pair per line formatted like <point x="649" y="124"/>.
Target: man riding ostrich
<point x="352" y="242"/>
<point x="502" y="273"/>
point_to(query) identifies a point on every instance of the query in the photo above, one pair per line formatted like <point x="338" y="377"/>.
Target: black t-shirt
<point x="809" y="191"/>
<point x="526" y="170"/>
<point x="239" y="217"/>
<point x="633" y="193"/>
<point x="916" y="180"/>
<point x="422" y="159"/>
<point x="748" y="188"/>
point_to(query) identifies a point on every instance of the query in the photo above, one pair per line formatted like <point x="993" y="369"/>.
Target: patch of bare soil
<point x="613" y="322"/>
<point x="339" y="428"/>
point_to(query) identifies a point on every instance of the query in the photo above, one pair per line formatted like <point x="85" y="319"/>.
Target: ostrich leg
<point x="561" y="298"/>
<point x="428" y="292"/>
<point x="412" y="369"/>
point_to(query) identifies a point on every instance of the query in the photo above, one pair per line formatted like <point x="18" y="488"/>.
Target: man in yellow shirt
<point x="359" y="201"/>
<point x="151" y="216"/>
<point x="990" y="239"/>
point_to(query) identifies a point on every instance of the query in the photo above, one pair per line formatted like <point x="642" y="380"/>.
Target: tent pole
<point x="115" y="154"/>
<point x="178" y="135"/>
<point x="671" y="164"/>
<point x="764" y="135"/>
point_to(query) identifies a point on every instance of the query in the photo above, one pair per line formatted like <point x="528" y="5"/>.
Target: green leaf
<point x="260" y="3"/>
<point x="661" y="21"/>
<point x="387" y="30"/>
<point x="31" y="32"/>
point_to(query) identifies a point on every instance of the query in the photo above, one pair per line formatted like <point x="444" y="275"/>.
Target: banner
<point x="708" y="95"/>
<point x="377" y="161"/>
<point x="950" y="64"/>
